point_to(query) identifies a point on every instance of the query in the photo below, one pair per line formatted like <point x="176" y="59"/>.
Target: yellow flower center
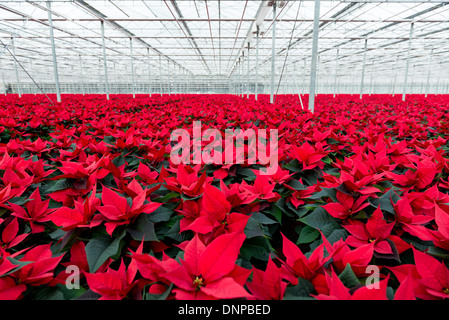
<point x="371" y="240"/>
<point x="198" y="282"/>
<point x="446" y="290"/>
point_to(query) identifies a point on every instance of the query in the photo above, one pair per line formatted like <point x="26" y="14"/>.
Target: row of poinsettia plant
<point x="91" y="205"/>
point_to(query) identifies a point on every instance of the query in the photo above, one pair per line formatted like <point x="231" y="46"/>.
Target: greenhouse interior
<point x="224" y="149"/>
<point x="224" y="46"/>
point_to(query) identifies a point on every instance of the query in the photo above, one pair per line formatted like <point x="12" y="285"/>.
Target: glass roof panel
<point x="174" y="39"/>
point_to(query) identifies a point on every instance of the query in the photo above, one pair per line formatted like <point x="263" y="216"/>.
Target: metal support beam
<point x="336" y="73"/>
<point x="160" y="74"/>
<point x="98" y="15"/>
<point x="149" y="72"/>
<point x="132" y="65"/>
<point x="257" y="61"/>
<point x="106" y="82"/>
<point x="404" y="91"/>
<point x="248" y="76"/>
<point x="261" y="20"/>
<point x="53" y="50"/>
<point x="363" y="69"/>
<point x="316" y="21"/>
<point x="116" y="82"/>
<point x="4" y="83"/>
<point x="178" y="78"/>
<point x="395" y="76"/>
<point x="317" y="72"/>
<point x="168" y="78"/>
<point x="190" y="36"/>
<point x="31" y="70"/>
<point x="242" y="61"/>
<point x="237" y="80"/>
<point x="437" y="87"/>
<point x="428" y="73"/>
<point x="81" y="73"/>
<point x="393" y="85"/>
<point x="19" y="85"/>
<point x="273" y="53"/>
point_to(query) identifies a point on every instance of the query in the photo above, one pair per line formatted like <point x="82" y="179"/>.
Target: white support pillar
<point x="336" y="73"/>
<point x="132" y="65"/>
<point x="116" y="83"/>
<point x="363" y="69"/>
<point x="168" y="77"/>
<point x="31" y="72"/>
<point x="106" y="81"/>
<point x="160" y="74"/>
<point x="404" y="90"/>
<point x="53" y="50"/>
<point x="394" y="83"/>
<point x="437" y="86"/>
<point x="428" y="73"/>
<point x="178" y="80"/>
<point x="182" y="85"/>
<point x="395" y="76"/>
<point x="19" y="85"/>
<point x="248" y="76"/>
<point x="4" y="83"/>
<point x="149" y="72"/>
<point x="257" y="61"/>
<point x="81" y="74"/>
<point x="317" y="74"/>
<point x="239" y="87"/>
<point x="100" y="76"/>
<point x="316" y="22"/>
<point x="242" y="83"/>
<point x="273" y="52"/>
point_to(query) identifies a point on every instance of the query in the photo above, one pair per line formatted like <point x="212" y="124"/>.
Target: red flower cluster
<point x="357" y="209"/>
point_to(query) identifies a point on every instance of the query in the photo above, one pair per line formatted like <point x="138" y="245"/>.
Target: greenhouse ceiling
<point x="214" y="39"/>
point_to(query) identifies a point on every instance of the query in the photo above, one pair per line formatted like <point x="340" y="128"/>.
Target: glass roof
<point x="175" y="39"/>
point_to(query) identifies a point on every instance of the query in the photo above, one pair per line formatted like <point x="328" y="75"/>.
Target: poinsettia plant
<point x="93" y="207"/>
